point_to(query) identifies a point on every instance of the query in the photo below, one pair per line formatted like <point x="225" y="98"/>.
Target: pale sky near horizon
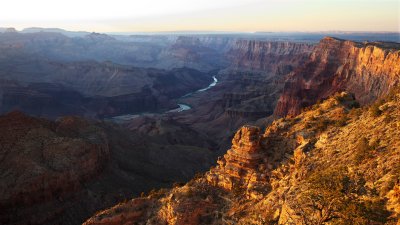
<point x="203" y="15"/>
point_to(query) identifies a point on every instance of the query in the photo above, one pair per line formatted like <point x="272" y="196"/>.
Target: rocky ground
<point x="334" y="163"/>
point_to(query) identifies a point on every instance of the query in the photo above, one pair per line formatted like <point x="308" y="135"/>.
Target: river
<point x="215" y="81"/>
<point x="182" y="107"/>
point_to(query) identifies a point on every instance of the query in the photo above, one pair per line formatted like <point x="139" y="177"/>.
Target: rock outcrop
<point x="244" y="165"/>
<point x="367" y="69"/>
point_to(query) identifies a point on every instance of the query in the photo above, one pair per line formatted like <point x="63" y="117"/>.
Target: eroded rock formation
<point x="367" y="69"/>
<point x="244" y="165"/>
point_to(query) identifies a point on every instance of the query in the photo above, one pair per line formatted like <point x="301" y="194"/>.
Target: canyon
<point x="97" y="89"/>
<point x="271" y="177"/>
<point x="91" y="120"/>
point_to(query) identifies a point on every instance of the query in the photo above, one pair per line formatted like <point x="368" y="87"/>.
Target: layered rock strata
<point x="367" y="69"/>
<point x="271" y="56"/>
<point x="244" y="165"/>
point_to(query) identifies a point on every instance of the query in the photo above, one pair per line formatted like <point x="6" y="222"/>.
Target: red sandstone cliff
<point x="368" y="70"/>
<point x="276" y="57"/>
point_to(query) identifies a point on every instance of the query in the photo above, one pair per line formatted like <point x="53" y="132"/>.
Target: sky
<point x="203" y="15"/>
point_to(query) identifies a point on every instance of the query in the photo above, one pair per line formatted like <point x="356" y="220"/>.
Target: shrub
<point x="362" y="149"/>
<point x="355" y="112"/>
<point x="375" y="210"/>
<point x="393" y="92"/>
<point x="331" y="191"/>
<point x="322" y="124"/>
<point x="375" y="111"/>
<point x="374" y="108"/>
<point x="354" y="104"/>
<point x="338" y="97"/>
<point x="178" y="184"/>
<point x="198" y="176"/>
<point x="373" y="143"/>
<point x="324" y="194"/>
<point x="157" y="193"/>
<point x="341" y="122"/>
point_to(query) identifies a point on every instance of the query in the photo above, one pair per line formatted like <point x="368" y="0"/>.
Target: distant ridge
<point x="55" y="30"/>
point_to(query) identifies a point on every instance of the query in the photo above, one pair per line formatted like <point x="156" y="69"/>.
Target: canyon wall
<point x="247" y="89"/>
<point x="202" y="53"/>
<point x="259" y="68"/>
<point x="368" y="70"/>
<point x="275" y="57"/>
<point x="94" y="89"/>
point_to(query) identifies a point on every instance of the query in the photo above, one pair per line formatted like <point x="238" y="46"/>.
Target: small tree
<point x="330" y="197"/>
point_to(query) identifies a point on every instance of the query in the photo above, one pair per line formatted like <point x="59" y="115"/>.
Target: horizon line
<point x="208" y="31"/>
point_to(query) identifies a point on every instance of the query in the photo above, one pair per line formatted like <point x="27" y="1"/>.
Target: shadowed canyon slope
<point x="95" y="89"/>
<point x="62" y="172"/>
